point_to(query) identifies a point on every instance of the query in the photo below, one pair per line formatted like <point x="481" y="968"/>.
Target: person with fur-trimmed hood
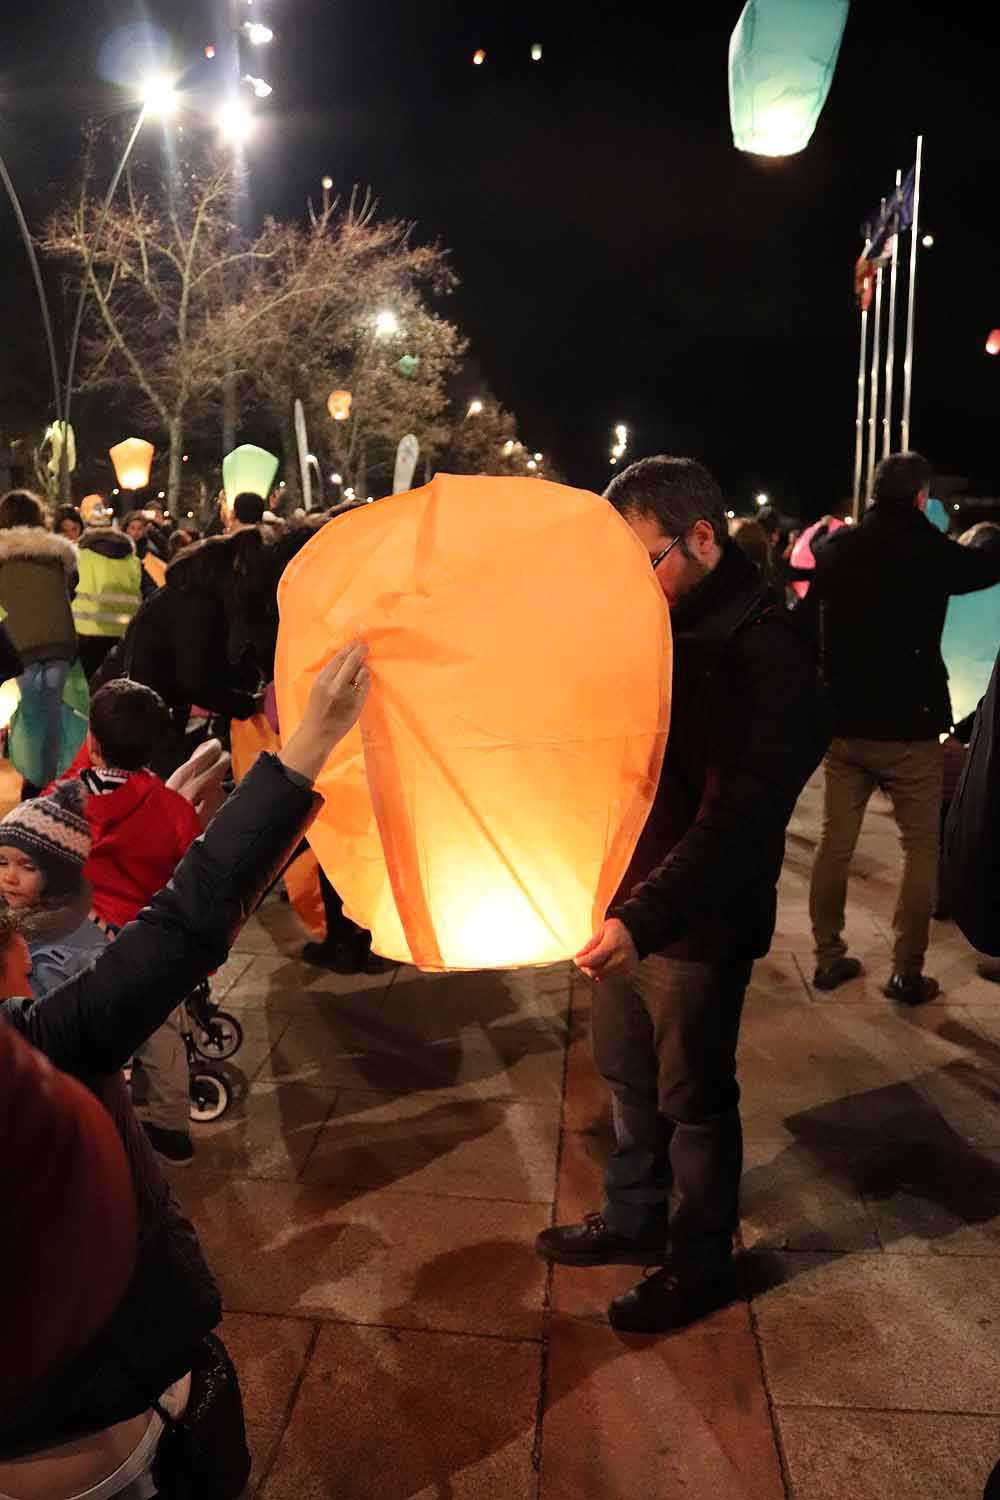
<point x="37" y="571"/>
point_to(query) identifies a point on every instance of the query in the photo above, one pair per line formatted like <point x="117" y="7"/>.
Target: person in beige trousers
<point x="879" y="595"/>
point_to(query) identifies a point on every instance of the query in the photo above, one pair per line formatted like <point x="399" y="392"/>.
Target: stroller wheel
<point x="220" y="1037"/>
<point x="210" y="1097"/>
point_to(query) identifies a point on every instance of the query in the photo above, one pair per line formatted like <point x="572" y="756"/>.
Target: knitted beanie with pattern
<point x="55" y="833"/>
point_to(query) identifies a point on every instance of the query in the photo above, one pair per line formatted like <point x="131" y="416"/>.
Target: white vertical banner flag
<point x="302" y="444"/>
<point x="406" y="462"/>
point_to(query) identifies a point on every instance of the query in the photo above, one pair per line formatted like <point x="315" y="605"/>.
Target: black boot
<point x="592" y="1243"/>
<point x="664" y="1301"/>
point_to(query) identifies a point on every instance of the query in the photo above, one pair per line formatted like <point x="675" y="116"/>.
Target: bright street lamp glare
<point x="475" y="407"/>
<point x="234" y="121"/>
<point x="336" y="479"/>
<point x="386" y="324"/>
<point x="257" y="34"/>
<point x="158" y="97"/>
<point x="538" y="458"/>
<point x="621" y="432"/>
<point x="761" y="499"/>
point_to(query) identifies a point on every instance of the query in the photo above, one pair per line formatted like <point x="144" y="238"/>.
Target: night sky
<point x="618" y="259"/>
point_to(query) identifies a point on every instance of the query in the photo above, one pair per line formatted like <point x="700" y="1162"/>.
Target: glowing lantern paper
<point x="485" y="812"/>
<point x="57" y="434"/>
<point x="248" y="470"/>
<point x="479" y="57"/>
<point x="938" y="516"/>
<point x="993" y="342"/>
<point x="969" y="647"/>
<point x="338" y="404"/>
<point x="133" y="460"/>
<point x="782" y="55"/>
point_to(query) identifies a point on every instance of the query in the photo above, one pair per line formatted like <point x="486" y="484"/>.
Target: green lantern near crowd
<point x="248" y="470"/>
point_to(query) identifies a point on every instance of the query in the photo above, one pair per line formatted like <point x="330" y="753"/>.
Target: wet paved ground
<point x="371" y="1201"/>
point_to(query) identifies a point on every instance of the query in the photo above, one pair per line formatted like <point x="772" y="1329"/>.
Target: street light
<point x="386" y="324"/>
<point x="475" y="407"/>
<point x="762" y="499"/>
<point x="327" y="183"/>
<point x="336" y="479"/>
<point x="159" y="98"/>
<point x="234" y="121"/>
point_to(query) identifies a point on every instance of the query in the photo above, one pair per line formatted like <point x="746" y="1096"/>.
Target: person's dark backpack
<point x="971" y="863"/>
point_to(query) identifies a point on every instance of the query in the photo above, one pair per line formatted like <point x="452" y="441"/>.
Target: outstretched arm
<point x="92" y="1024"/>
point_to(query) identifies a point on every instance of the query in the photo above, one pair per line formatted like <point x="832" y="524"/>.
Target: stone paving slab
<point x="864" y="1455"/>
<point x="385" y="1414"/>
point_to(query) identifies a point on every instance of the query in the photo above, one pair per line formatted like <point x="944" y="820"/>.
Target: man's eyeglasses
<point x="654" y="562"/>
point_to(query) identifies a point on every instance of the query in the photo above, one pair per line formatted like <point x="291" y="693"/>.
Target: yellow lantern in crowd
<point x="485" y="811"/>
<point x="338" y="404"/>
<point x="133" y="459"/>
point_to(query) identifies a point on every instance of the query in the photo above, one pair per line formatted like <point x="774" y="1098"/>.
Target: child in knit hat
<point x="44" y="845"/>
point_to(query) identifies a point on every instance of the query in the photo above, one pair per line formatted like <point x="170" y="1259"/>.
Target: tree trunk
<point x="290" y="456"/>
<point x="175" y="439"/>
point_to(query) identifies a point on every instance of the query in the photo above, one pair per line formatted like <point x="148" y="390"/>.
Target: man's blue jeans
<point x="48" y="679"/>
<point x="665" y="1043"/>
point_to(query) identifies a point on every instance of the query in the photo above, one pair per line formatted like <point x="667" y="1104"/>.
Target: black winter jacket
<point x="749" y="723"/>
<point x="177" y="644"/>
<point x="880" y="591"/>
<point x="90" y="1027"/>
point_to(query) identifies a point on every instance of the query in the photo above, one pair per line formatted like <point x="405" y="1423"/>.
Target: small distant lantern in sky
<point x="452" y="855"/>
<point x="479" y="57"/>
<point x="210" y="52"/>
<point x="993" y="342"/>
<point x="536" y="52"/>
<point x="248" y="470"/>
<point x="338" y="404"/>
<point x="132" y="459"/>
<point x="782" y="56"/>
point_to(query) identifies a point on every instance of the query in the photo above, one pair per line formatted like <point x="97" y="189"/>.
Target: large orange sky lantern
<point x="132" y="459"/>
<point x="485" y="810"/>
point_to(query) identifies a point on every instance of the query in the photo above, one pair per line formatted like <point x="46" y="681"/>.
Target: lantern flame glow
<point x="132" y="460"/>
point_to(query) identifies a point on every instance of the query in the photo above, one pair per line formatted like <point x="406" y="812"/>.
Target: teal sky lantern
<point x="248" y="470"/>
<point x="782" y="56"/>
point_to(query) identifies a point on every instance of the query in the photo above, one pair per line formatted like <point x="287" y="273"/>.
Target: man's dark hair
<point x="128" y="720"/>
<point x="21" y="508"/>
<point x="249" y="508"/>
<point x="899" y="480"/>
<point x="677" y="492"/>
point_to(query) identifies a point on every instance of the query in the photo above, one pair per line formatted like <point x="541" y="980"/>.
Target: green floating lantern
<point x="248" y="470"/>
<point x="409" y="365"/>
<point x="782" y="56"/>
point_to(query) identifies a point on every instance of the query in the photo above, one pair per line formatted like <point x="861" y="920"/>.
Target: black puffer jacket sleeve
<point x="205" y="674"/>
<point x="91" y="1025"/>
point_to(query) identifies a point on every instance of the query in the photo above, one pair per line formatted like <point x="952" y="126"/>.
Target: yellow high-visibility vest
<point x="108" y="595"/>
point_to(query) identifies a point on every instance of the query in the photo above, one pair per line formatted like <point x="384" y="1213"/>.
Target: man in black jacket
<point x="673" y="958"/>
<point x="880" y="593"/>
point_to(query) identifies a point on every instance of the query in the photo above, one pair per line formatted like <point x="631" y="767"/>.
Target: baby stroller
<point x="210" y="1035"/>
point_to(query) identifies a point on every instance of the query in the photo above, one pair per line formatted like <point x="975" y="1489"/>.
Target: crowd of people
<point x="121" y="1387"/>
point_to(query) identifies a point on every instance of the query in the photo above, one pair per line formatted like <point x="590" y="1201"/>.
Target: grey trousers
<point x="665" y="1043"/>
<point x="165" y="1064"/>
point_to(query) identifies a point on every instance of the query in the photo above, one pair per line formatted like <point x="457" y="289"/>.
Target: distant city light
<point x="761" y="499"/>
<point x="257" y="34"/>
<point x="185" y="457"/>
<point x="612" y="460"/>
<point x="532" y="463"/>
<point x="538" y="458"/>
<point x="386" y="324"/>
<point x="162" y="495"/>
<point x="336" y="479"/>
<point x="348" y="493"/>
<point x="731" y="514"/>
<point x="928" y="242"/>
<point x="508" y="447"/>
<point x="475" y="407"/>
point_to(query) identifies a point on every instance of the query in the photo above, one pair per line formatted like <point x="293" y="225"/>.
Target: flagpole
<point x="890" y="348"/>
<point x="859" y="421"/>
<point x="911" y="301"/>
<point x="873" y="399"/>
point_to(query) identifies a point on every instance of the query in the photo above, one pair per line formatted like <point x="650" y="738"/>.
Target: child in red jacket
<point x="140" y="829"/>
